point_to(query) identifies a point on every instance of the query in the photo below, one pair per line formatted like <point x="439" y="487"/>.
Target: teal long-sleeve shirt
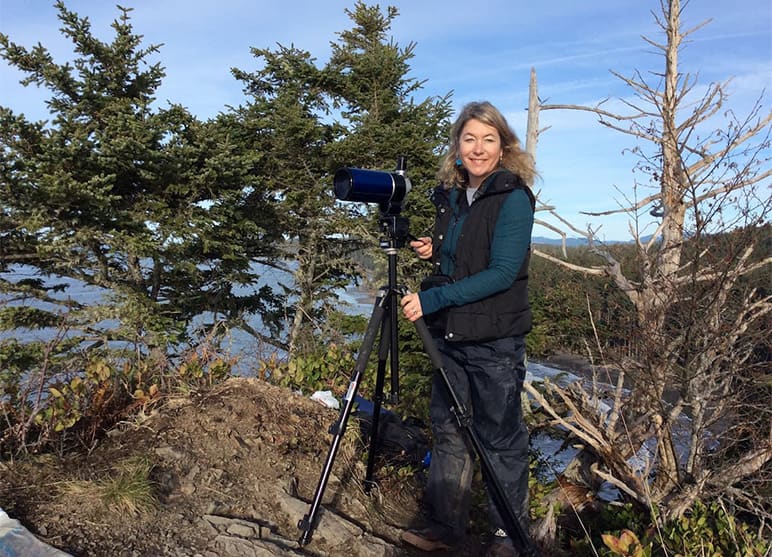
<point x="511" y="239"/>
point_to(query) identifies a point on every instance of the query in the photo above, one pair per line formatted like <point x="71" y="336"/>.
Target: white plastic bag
<point x="326" y="398"/>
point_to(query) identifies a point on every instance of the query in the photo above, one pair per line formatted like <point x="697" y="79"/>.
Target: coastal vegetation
<point x="172" y="221"/>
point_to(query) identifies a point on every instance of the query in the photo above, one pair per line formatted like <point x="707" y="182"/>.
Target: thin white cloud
<point x="478" y="51"/>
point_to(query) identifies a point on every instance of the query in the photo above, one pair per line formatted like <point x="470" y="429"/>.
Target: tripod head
<point x="396" y="231"/>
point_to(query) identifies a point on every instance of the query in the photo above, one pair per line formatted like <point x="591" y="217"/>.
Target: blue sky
<point x="477" y="50"/>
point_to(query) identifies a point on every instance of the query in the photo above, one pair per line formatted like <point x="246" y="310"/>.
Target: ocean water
<point x="239" y="344"/>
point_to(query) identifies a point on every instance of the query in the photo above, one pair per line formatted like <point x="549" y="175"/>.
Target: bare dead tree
<point x="689" y="417"/>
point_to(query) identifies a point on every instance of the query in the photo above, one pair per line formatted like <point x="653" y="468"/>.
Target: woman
<point x="479" y="314"/>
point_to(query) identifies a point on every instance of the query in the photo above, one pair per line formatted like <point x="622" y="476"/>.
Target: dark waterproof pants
<point x="488" y="379"/>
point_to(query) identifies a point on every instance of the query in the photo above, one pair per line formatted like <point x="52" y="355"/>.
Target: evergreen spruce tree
<point x="150" y="205"/>
<point x="308" y="122"/>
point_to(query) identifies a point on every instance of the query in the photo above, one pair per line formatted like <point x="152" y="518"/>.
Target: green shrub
<point x="710" y="530"/>
<point x="707" y="530"/>
<point x="327" y="369"/>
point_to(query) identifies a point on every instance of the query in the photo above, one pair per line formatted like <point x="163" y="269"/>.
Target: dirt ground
<point x="234" y="452"/>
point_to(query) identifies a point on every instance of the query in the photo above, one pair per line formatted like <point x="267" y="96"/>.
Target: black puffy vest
<point x="500" y="315"/>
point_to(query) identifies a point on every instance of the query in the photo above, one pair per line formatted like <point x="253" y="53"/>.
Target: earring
<point x="459" y="164"/>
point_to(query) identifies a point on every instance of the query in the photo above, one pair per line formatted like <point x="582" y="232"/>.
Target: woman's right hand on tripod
<point x="411" y="306"/>
<point x="422" y="246"/>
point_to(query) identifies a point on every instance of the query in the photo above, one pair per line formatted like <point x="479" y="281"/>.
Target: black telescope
<point x="388" y="189"/>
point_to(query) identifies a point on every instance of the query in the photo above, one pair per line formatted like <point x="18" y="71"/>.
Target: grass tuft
<point x="128" y="489"/>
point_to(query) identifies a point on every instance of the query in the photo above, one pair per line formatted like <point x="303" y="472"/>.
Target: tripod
<point x="383" y="319"/>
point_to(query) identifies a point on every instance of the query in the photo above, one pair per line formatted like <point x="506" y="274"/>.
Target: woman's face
<point x="480" y="150"/>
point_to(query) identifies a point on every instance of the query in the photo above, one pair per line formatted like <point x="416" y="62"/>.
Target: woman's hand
<point x="411" y="307"/>
<point x="422" y="246"/>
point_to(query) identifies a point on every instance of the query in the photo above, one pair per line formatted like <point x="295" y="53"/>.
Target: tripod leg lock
<point x="463" y="416"/>
<point x="305" y="526"/>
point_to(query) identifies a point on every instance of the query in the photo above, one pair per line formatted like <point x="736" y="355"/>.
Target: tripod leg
<point x="388" y="349"/>
<point x="309" y="522"/>
<point x="514" y="529"/>
<point x="384" y="348"/>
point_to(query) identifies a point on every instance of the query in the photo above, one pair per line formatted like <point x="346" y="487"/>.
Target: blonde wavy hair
<point x="514" y="158"/>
